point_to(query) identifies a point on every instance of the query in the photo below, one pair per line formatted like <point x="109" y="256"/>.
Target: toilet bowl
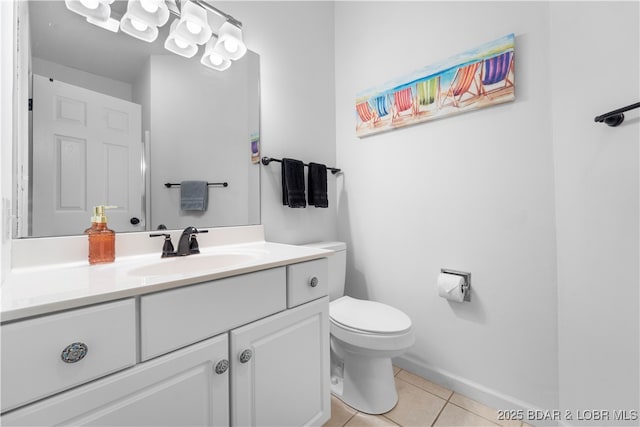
<point x="365" y="335"/>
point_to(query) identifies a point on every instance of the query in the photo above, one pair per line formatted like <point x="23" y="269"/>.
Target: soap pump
<point x="102" y="240"/>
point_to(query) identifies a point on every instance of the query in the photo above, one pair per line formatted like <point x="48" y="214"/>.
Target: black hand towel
<point x="318" y="185"/>
<point x="293" y="183"/>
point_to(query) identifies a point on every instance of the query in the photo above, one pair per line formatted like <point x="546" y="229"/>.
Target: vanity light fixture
<point x="143" y="18"/>
<point x="192" y="25"/>
<point x="138" y="29"/>
<point x="191" y="28"/>
<point x="177" y="45"/>
<point x="97" y="12"/>
<point x="230" y="39"/>
<point x="214" y="57"/>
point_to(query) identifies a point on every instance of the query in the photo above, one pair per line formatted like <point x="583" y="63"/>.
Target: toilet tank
<point x="337" y="266"/>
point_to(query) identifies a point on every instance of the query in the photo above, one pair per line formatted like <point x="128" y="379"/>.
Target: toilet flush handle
<point x="313" y="282"/>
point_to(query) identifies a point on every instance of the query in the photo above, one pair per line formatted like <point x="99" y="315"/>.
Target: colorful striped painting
<point x="474" y="79"/>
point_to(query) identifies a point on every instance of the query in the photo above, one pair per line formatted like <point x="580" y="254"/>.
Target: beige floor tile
<point x="482" y="410"/>
<point x="453" y="415"/>
<point x="366" y="420"/>
<point x="424" y="384"/>
<point x="340" y="413"/>
<point x="415" y="407"/>
<point x="396" y="370"/>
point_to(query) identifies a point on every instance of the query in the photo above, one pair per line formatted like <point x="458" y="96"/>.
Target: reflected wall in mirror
<point x="114" y="119"/>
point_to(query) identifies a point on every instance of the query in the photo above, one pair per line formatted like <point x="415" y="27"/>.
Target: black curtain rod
<point x="267" y="160"/>
<point x="218" y="184"/>
<point x="615" y="117"/>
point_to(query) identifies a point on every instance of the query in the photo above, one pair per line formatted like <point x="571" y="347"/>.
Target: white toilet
<point x="365" y="335"/>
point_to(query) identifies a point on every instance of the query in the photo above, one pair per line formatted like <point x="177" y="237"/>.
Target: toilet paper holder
<point x="466" y="286"/>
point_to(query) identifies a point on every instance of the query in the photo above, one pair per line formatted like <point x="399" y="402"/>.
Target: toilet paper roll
<point x="450" y="287"/>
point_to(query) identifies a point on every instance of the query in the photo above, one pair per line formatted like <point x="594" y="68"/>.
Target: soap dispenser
<point x="102" y="240"/>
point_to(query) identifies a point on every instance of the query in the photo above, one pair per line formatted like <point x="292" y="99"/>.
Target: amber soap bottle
<point x="102" y="240"/>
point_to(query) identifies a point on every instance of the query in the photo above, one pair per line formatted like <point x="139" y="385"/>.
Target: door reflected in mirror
<point x="114" y="119"/>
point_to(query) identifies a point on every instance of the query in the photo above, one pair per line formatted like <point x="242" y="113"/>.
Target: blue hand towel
<point x="194" y="195"/>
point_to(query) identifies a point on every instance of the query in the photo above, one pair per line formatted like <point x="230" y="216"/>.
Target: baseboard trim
<point x="466" y="387"/>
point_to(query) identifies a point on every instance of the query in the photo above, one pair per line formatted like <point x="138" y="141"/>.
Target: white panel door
<point x="178" y="389"/>
<point x="284" y="381"/>
<point x="87" y="150"/>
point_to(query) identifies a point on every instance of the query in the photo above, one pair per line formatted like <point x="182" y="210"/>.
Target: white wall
<point x="471" y="192"/>
<point x="597" y="185"/>
<point x="295" y="44"/>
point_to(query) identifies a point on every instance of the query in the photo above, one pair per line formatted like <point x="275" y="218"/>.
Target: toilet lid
<point x="368" y="316"/>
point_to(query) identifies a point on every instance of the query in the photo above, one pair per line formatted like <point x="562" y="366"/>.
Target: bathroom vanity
<point x="237" y="335"/>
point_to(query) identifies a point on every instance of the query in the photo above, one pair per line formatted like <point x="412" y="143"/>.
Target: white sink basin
<point x="192" y="264"/>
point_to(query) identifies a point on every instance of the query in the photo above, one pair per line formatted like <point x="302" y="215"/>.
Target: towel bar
<point x="267" y="160"/>
<point x="615" y="117"/>
<point x="217" y="184"/>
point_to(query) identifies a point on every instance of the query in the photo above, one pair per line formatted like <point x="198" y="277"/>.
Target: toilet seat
<point x="369" y="317"/>
<point x="359" y="324"/>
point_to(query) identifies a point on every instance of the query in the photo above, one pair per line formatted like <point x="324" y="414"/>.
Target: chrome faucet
<point x="188" y="245"/>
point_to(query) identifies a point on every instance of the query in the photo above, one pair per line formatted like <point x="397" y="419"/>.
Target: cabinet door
<point x="284" y="380"/>
<point x="181" y="388"/>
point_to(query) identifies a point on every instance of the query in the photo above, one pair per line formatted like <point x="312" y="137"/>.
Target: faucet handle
<point x="193" y="245"/>
<point x="193" y="230"/>
<point x="167" y="247"/>
<point x="193" y="242"/>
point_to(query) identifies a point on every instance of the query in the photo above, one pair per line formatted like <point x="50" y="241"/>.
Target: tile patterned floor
<point x="420" y="403"/>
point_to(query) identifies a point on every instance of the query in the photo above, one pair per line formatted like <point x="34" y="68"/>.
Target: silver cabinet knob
<point x="245" y="356"/>
<point x="313" y="282"/>
<point x="221" y="367"/>
<point x="74" y="352"/>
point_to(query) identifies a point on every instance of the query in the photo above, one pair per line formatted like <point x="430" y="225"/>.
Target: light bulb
<point x="140" y="26"/>
<point x="90" y="4"/>
<point x="231" y="45"/>
<point x="181" y="43"/>
<point x="215" y="60"/>
<point x="193" y="27"/>
<point x="150" y="6"/>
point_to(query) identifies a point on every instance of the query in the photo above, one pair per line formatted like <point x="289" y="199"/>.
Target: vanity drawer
<point x="307" y="281"/>
<point x="32" y="350"/>
<point x="176" y="318"/>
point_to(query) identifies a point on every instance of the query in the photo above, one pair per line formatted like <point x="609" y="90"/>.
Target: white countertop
<point x="38" y="290"/>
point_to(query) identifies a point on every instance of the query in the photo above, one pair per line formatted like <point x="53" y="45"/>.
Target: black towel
<point x="318" y="185"/>
<point x="293" y="183"/>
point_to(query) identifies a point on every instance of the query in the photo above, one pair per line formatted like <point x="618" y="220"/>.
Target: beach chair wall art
<point x="474" y="79"/>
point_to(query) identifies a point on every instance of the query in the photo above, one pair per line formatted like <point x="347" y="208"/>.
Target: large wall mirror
<point x="114" y="119"/>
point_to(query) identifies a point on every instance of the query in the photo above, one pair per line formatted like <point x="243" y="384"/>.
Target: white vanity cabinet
<point x="180" y="388"/>
<point x="224" y="352"/>
<point x="280" y="369"/>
